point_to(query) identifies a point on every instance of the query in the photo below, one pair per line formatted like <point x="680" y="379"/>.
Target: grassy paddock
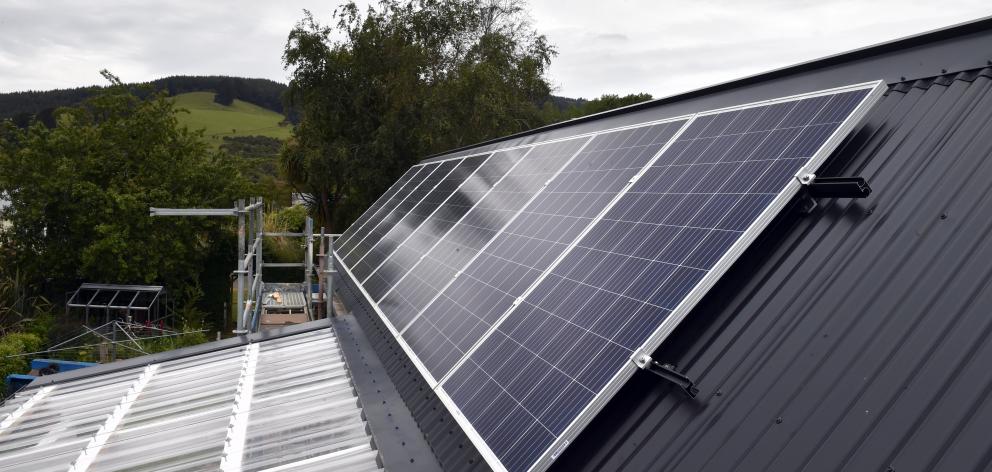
<point x="239" y="119"/>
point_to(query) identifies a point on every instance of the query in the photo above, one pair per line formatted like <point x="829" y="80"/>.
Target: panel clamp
<point x="830" y="187"/>
<point x="668" y="372"/>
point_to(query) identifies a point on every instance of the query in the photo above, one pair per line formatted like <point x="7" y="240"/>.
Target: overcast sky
<point x="618" y="46"/>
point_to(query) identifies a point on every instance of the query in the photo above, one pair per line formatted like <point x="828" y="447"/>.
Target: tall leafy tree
<point x="80" y="191"/>
<point x="380" y="88"/>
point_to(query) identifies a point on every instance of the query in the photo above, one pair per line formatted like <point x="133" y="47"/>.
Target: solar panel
<point x="630" y="278"/>
<point x="437" y="225"/>
<point x="476" y="229"/>
<point x="500" y="273"/>
<point x="391" y="213"/>
<point x="418" y="206"/>
<point x="530" y="312"/>
<point x="346" y="241"/>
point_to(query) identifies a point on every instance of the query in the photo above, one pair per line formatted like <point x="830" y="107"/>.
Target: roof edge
<point x="175" y="354"/>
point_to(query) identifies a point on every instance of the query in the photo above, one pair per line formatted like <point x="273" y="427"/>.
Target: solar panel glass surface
<point x="346" y="241"/>
<point x="557" y="351"/>
<point x="408" y="254"/>
<point x="417" y="207"/>
<point x="501" y="272"/>
<point x="390" y="214"/>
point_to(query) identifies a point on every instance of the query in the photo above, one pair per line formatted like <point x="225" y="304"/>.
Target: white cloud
<point x="621" y="46"/>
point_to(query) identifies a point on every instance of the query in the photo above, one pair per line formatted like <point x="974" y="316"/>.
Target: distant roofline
<point x="940" y="34"/>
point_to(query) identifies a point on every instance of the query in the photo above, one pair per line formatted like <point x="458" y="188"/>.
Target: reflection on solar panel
<point x="403" y="219"/>
<point x="501" y="272"/>
<point x="437" y="225"/>
<point x="346" y="242"/>
<point x="479" y="226"/>
<point x="527" y="335"/>
<point x="392" y="212"/>
<point x="445" y="189"/>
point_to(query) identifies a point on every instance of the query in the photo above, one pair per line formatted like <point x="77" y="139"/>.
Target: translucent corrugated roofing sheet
<point x="281" y="404"/>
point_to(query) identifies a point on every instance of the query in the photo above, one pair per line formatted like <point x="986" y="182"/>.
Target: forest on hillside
<point x="22" y="106"/>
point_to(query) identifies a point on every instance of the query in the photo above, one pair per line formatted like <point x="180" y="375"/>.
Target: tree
<point x="598" y="105"/>
<point x="80" y="192"/>
<point x="226" y="91"/>
<point x="405" y="80"/>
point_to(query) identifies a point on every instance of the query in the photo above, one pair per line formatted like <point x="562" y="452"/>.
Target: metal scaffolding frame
<point x="250" y="287"/>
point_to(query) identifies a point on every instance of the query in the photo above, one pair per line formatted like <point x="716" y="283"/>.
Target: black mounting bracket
<point x="831" y="187"/>
<point x="668" y="372"/>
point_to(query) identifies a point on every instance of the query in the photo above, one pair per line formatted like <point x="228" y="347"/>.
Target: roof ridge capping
<point x="947" y="32"/>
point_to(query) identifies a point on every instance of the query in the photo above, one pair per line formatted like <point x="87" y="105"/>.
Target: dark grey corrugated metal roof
<point x="856" y="338"/>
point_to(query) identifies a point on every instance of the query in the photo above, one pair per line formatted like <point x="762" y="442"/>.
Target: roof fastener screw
<point x="943" y="71"/>
<point x="943" y="216"/>
<point x="778" y="420"/>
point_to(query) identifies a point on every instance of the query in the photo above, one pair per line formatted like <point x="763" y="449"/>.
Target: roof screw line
<point x="237" y="428"/>
<point x="11" y="418"/>
<point x="96" y="443"/>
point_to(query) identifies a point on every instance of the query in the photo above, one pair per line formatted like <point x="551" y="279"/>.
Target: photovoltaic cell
<point x="417" y="207"/>
<point x="530" y="243"/>
<point x="346" y="241"/>
<point x="390" y="214"/>
<point x="434" y="228"/>
<point x="527" y="384"/>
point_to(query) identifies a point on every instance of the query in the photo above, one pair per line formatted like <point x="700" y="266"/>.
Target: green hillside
<point x="239" y="119"/>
